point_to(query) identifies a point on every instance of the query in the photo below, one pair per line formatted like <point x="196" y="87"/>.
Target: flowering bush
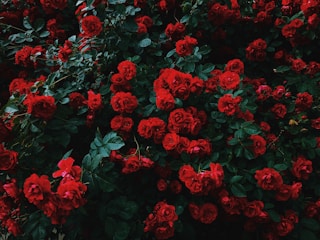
<point x="140" y="119"/>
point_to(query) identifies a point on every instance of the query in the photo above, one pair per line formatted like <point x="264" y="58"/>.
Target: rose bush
<point x="140" y="119"/>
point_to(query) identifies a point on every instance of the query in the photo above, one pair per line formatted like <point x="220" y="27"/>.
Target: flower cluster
<point x="173" y="119"/>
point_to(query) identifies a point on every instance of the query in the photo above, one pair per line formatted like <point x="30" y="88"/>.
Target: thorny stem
<point x="59" y="80"/>
<point x="17" y="28"/>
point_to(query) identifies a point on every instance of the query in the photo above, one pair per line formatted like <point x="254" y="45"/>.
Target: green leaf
<point x="310" y="224"/>
<point x="145" y="42"/>
<point x="114" y="2"/>
<point x="95" y="161"/>
<point x="67" y="154"/>
<point x="238" y="190"/>
<point x="236" y="178"/>
<point x="282" y="69"/>
<point x="122" y="231"/>
<point x="39" y="24"/>
<point x="26" y="23"/>
<point x="280" y="167"/>
<point x="44" y="34"/>
<point x="275" y="216"/>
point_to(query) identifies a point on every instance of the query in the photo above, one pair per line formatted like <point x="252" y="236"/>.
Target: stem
<point x="61" y="79"/>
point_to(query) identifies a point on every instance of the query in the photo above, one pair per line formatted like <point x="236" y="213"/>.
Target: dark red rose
<point x="279" y="109"/>
<point x="278" y="92"/>
<point x="298" y="65"/>
<point x="131" y="164"/>
<point x="13" y="227"/>
<point x="42" y="107"/>
<point x="268" y="179"/>
<point x="283" y="193"/>
<point x="121" y="124"/>
<point x="302" y="168"/>
<point x="179" y="121"/>
<point x="8" y="159"/>
<point x="256" y="51"/>
<point x="284" y="227"/>
<point x="199" y="147"/>
<point x="56" y="4"/>
<point x="186" y="172"/>
<point x="303" y="101"/>
<point x="175" y="186"/>
<point x="164" y="100"/>
<point x="164" y="231"/>
<point x="315" y="123"/>
<point x="170" y="141"/>
<point x="208" y="213"/>
<point x="127" y="69"/>
<point x="12" y="189"/>
<point x="296" y="190"/>
<point x="77" y="100"/>
<point x="118" y="79"/>
<point x="259" y="145"/>
<point x="124" y="102"/>
<point x="184" y="47"/>
<point x="162" y="185"/>
<point x="166" y="212"/>
<point x="91" y="26"/>
<point x="22" y="57"/>
<point x="216" y="174"/>
<point x="253" y="209"/>
<point x="20" y="85"/>
<point x="229" y="80"/>
<point x="235" y="65"/>
<point x="36" y="188"/>
<point x="229" y="104"/>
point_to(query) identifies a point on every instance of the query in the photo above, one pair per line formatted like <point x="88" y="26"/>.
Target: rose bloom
<point x="235" y="65"/>
<point x="296" y="190"/>
<point x="91" y="26"/>
<point x="72" y="194"/>
<point x="208" y="213"/>
<point x="121" y="123"/>
<point x="278" y="92"/>
<point x="302" y="168"/>
<point x="124" y="102"/>
<point x="284" y="227"/>
<point x="297" y="65"/>
<point x="170" y="141"/>
<point x="279" y="109"/>
<point x="56" y="4"/>
<point x="22" y="57"/>
<point x="175" y="186"/>
<point x="164" y="100"/>
<point x="67" y="170"/>
<point x="77" y="100"/>
<point x="268" y="179"/>
<point x="228" y="104"/>
<point x="20" y="85"/>
<point x="8" y="159"/>
<point x="229" y="80"/>
<point x="40" y="106"/>
<point x="94" y="101"/>
<point x="186" y="172"/>
<point x="184" y="47"/>
<point x="165" y="212"/>
<point x="253" y="208"/>
<point x="303" y="101"/>
<point x="259" y="145"/>
<point x="199" y="147"/>
<point x="283" y="193"/>
<point x="194" y="210"/>
<point x="315" y="123"/>
<point x="36" y="188"/>
<point x="131" y="164"/>
<point x="127" y="69"/>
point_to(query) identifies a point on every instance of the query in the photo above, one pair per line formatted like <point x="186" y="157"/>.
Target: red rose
<point x="72" y="194"/>
<point x="228" y="104"/>
<point x="253" y="208"/>
<point x="164" y="100"/>
<point x="315" y="123"/>
<point x="20" y="85"/>
<point x="124" y="102"/>
<point x="208" y="213"/>
<point x="13" y="227"/>
<point x="212" y="82"/>
<point x="194" y="210"/>
<point x="56" y="4"/>
<point x="152" y="127"/>
<point x="303" y="101"/>
<point x="8" y="159"/>
<point x="235" y="65"/>
<point x="22" y="56"/>
<point x="12" y="189"/>
<point x="170" y="141"/>
<point x="164" y="231"/>
<point x="263" y="92"/>
<point x="121" y="124"/>
<point x="265" y="126"/>
<point x="94" y="101"/>
<point x="179" y="121"/>
<point x="185" y="46"/>
<point x="77" y="100"/>
<point x="268" y="179"/>
<point x="127" y="69"/>
<point x="256" y="51"/>
<point x="91" y="26"/>
<point x="42" y="107"/>
<point x="162" y="185"/>
<point x="67" y="170"/>
<point x="229" y="80"/>
<point x="199" y="147"/>
<point x="131" y="164"/>
<point x="298" y="65"/>
<point x="296" y="190"/>
<point x="278" y="92"/>
<point x="283" y="193"/>
<point x="165" y="212"/>
<point x="118" y="79"/>
<point x="284" y="227"/>
<point x="279" y="109"/>
<point x="216" y="174"/>
<point x="259" y="145"/>
<point x="186" y="172"/>
<point x="302" y="168"/>
<point x="36" y="188"/>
